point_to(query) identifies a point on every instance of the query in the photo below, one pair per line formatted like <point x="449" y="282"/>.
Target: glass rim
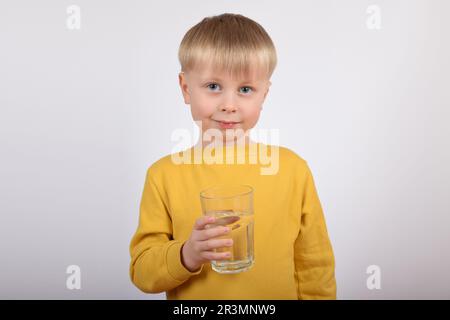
<point x="202" y="193"/>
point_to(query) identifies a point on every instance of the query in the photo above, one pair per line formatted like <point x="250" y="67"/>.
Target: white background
<point x="85" y="112"/>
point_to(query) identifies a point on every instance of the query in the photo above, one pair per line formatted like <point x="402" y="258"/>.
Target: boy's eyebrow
<point x="220" y="80"/>
<point x="211" y="79"/>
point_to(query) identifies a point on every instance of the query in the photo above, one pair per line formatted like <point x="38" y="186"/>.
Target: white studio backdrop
<point x="361" y="91"/>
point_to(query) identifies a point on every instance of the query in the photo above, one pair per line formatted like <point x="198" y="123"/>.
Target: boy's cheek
<point x="253" y="113"/>
<point x="198" y="106"/>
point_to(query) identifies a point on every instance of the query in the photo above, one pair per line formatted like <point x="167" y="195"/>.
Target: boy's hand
<point x="199" y="248"/>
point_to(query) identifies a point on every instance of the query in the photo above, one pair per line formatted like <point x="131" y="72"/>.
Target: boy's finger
<point x="211" y="244"/>
<point x="210" y="233"/>
<point x="210" y="255"/>
<point x="224" y="221"/>
<point x="201" y="222"/>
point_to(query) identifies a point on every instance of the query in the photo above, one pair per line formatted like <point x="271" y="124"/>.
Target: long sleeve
<point x="314" y="258"/>
<point x="155" y="257"/>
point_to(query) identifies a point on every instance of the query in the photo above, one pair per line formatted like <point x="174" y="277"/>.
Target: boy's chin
<point x="236" y="140"/>
<point x="230" y="140"/>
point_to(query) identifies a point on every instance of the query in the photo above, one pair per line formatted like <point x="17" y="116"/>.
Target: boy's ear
<point x="184" y="87"/>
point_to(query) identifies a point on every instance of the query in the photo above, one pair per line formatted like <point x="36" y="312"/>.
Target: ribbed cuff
<point x="174" y="265"/>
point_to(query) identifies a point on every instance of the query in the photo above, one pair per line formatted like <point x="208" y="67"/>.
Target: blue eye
<point x="249" y="89"/>
<point x="212" y="86"/>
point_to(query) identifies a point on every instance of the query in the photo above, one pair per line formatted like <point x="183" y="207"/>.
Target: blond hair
<point x="228" y="42"/>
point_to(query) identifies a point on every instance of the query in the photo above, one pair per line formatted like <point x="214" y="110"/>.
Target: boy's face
<point x="216" y="97"/>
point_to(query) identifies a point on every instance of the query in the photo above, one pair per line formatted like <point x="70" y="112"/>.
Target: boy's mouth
<point x="227" y="124"/>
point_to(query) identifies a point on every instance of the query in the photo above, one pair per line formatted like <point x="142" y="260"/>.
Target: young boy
<point x="226" y="64"/>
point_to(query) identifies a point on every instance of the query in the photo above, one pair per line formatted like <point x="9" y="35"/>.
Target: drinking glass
<point x="232" y="205"/>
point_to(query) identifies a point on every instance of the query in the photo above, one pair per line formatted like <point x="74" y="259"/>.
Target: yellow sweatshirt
<point x="293" y="255"/>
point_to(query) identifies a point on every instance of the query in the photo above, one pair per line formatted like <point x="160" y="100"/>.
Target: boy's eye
<point x="215" y="87"/>
<point x="212" y="86"/>
<point x="248" y="89"/>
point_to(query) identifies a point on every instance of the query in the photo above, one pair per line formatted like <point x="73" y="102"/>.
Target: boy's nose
<point x="228" y="103"/>
<point x="228" y="108"/>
